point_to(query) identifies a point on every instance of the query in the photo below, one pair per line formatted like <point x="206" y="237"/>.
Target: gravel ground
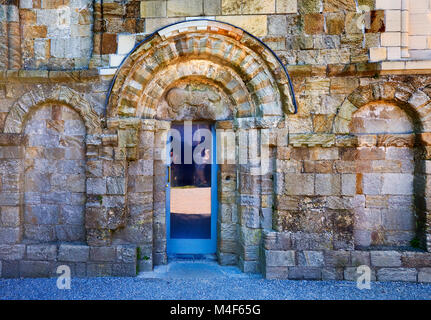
<point x="229" y="289"/>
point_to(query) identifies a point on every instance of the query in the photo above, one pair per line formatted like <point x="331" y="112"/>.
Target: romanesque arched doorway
<point x="207" y="71"/>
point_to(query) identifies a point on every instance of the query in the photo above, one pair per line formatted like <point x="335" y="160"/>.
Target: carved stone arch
<point x="223" y="79"/>
<point x="224" y="45"/>
<point x="23" y="106"/>
<point x="416" y="102"/>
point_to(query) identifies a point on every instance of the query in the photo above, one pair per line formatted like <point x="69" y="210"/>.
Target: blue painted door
<point x="191" y="195"/>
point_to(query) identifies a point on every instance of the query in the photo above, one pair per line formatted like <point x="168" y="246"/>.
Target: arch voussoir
<point x="263" y="74"/>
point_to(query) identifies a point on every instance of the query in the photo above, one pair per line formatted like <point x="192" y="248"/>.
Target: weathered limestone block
<point x="115" y="185"/>
<point x="397" y="274"/>
<point x="227" y="259"/>
<point x="124" y="269"/>
<point x="96" y="186"/>
<point x="305" y="273"/>
<point x="337" y="258"/>
<point x="276" y="272"/>
<point x="255" y="24"/>
<point x="184" y="8"/>
<point x="99" y="269"/>
<point x="103" y="254"/>
<point x="73" y="253"/>
<point x="279" y="258"/>
<point x="424" y="275"/>
<point x="10" y="235"/>
<point x="228" y="231"/>
<point x="310" y="258"/>
<point x="327" y="184"/>
<point x="10" y="269"/>
<point x="152" y="9"/>
<point x="299" y="184"/>
<point x="351" y="274"/>
<point x="126" y="254"/>
<point x="12" y="252"/>
<point x="332" y="274"/>
<point x="360" y="258"/>
<point x="41" y="233"/>
<point x="385" y="258"/>
<point x="35" y="269"/>
<point x="312" y="140"/>
<point x="416" y="259"/>
<point x="41" y="252"/>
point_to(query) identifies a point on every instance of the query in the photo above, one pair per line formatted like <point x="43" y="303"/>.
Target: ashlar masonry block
<point x="388" y="4"/>
<point x="286" y="6"/>
<point x="391" y="39"/>
<point x="126" y="42"/>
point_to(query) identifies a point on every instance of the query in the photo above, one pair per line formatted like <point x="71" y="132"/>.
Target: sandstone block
<point x="397" y="183"/>
<point x="360" y="258"/>
<point x="126" y="42"/>
<point x="416" y="259"/>
<point x="277" y="25"/>
<point x="287" y="6"/>
<point x="228" y="231"/>
<point x="424" y="275"/>
<point x="385" y="258"/>
<point x="41" y="252"/>
<point x="328" y="184"/>
<point x="227" y="259"/>
<point x="125" y="270"/>
<point x="10" y="269"/>
<point x="12" y="252"/>
<point x="306" y="273"/>
<point x="212" y="8"/>
<point x="35" y="269"/>
<point x="280" y="258"/>
<point x="299" y="184"/>
<point x="255" y="24"/>
<point x="103" y="254"/>
<point x="314" y="23"/>
<point x="335" y="23"/>
<point x="184" y="8"/>
<point x="153" y="9"/>
<point x="311" y="258"/>
<point x="348" y="184"/>
<point x="337" y="258"/>
<point x="96" y="186"/>
<point x="351" y="274"/>
<point x="10" y="235"/>
<point x="42" y="233"/>
<point x="126" y="254"/>
<point x="276" y="273"/>
<point x="73" y="253"/>
<point x="99" y="269"/>
<point x="332" y="273"/>
<point x="115" y="185"/>
<point x="397" y="274"/>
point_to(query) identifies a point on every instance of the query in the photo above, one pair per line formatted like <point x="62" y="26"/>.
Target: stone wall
<point x="42" y="260"/>
<point x="290" y="257"/>
<point x="348" y="177"/>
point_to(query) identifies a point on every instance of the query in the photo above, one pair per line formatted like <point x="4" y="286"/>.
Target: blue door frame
<point x="194" y="246"/>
